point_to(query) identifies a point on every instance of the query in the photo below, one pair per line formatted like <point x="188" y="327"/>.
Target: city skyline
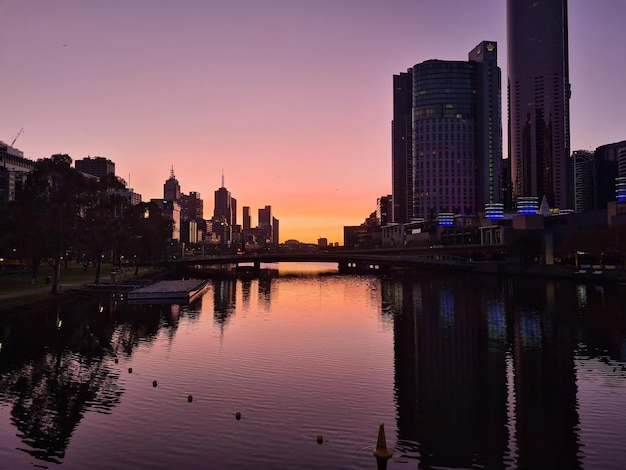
<point x="293" y="100"/>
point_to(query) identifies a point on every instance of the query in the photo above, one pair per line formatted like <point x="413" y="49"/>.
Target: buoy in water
<point x="154" y="383"/>
<point x="117" y="360"/>
<point x="189" y="398"/>
<point x="130" y="370"/>
<point x="381" y="451"/>
<point x="320" y="438"/>
<point x="238" y="416"/>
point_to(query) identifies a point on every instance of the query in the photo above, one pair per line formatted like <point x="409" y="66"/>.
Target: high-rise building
<point x="456" y="136"/>
<point x="247" y="220"/>
<point x="14" y="169"/>
<point x="171" y="188"/>
<point x="275" y="230"/>
<point x="384" y="209"/>
<point x="192" y="206"/>
<point x="538" y="100"/>
<point x="224" y="214"/>
<point x="95" y="166"/>
<point x="265" y="224"/>
<point x="223" y="206"/>
<point x="584" y="180"/>
<point x="402" y="148"/>
<point x="606" y="166"/>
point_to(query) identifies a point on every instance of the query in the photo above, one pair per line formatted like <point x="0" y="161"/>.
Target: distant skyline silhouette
<point x="293" y="100"/>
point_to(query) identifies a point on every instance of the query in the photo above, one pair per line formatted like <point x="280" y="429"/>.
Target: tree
<point x="101" y="226"/>
<point x="48" y="211"/>
<point x="150" y="231"/>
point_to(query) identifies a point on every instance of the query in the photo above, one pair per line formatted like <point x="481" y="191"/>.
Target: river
<point x="298" y="370"/>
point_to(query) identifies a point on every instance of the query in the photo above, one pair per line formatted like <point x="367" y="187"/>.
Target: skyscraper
<point x="192" y="206"/>
<point x="538" y="100"/>
<point x="171" y="188"/>
<point x="402" y="148"/>
<point x="247" y="222"/>
<point x="456" y="136"/>
<point x="265" y="223"/>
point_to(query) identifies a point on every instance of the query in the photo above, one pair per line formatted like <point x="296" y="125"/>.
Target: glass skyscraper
<point x="538" y="100"/>
<point x="456" y="135"/>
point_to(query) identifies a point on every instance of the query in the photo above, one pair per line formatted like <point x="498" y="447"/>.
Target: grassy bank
<point x="17" y="288"/>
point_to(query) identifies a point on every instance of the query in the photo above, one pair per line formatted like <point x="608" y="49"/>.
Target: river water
<point x="298" y="370"/>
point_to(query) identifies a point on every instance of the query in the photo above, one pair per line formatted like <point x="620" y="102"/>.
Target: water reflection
<point x="53" y="368"/>
<point x="465" y="355"/>
<point x="486" y="372"/>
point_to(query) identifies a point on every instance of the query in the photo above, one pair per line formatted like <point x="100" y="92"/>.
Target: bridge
<point x="450" y="257"/>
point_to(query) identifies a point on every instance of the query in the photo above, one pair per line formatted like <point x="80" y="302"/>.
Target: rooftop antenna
<point x="222" y="177"/>
<point x="172" y="172"/>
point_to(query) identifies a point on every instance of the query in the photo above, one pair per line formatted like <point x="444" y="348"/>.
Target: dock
<point x="179" y="291"/>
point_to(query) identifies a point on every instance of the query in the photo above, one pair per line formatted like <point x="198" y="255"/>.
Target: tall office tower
<point x="265" y="223"/>
<point x="95" y="166"/>
<point x="488" y="83"/>
<point x="192" y="206"/>
<point x="584" y="180"/>
<point x="233" y="211"/>
<point x="384" y="209"/>
<point x="275" y="230"/>
<point x="223" y="206"/>
<point x="402" y="148"/>
<point x="457" y="134"/>
<point x="606" y="165"/>
<point x="171" y="188"/>
<point x="538" y="100"/>
<point x="247" y="220"/>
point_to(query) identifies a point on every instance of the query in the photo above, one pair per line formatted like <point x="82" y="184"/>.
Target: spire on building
<point x="223" y="178"/>
<point x="172" y="173"/>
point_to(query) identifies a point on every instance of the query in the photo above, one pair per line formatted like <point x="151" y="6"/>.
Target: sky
<point x="290" y="99"/>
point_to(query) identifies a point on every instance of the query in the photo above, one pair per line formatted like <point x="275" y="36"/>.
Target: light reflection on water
<point x="465" y="372"/>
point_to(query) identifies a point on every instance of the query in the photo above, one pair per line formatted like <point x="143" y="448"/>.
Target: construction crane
<point x="18" y="134"/>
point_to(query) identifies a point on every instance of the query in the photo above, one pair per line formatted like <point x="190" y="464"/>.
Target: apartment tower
<point x="456" y="136"/>
<point x="538" y="100"/>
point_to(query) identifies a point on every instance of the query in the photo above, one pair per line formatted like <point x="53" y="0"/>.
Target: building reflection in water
<point x="484" y="375"/>
<point x="484" y="369"/>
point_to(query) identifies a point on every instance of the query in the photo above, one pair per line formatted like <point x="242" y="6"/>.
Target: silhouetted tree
<point x="150" y="231"/>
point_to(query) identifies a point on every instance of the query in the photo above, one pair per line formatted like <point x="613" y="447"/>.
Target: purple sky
<point x="292" y="99"/>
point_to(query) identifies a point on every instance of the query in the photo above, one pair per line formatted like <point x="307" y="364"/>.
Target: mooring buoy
<point x="130" y="370"/>
<point x="238" y="416"/>
<point x="154" y="383"/>
<point x="320" y="438"/>
<point x="190" y="398"/>
<point x="381" y="452"/>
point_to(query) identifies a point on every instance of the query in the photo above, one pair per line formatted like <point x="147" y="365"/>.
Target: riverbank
<point x="592" y="274"/>
<point x="18" y="293"/>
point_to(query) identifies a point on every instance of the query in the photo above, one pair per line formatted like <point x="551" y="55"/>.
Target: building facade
<point x="606" y="165"/>
<point x="402" y="148"/>
<point x="584" y="180"/>
<point x="171" y="188"/>
<point x="192" y="206"/>
<point x="538" y="100"/>
<point x="384" y="209"/>
<point x="456" y="135"/>
<point x="95" y="166"/>
<point x="14" y="169"/>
